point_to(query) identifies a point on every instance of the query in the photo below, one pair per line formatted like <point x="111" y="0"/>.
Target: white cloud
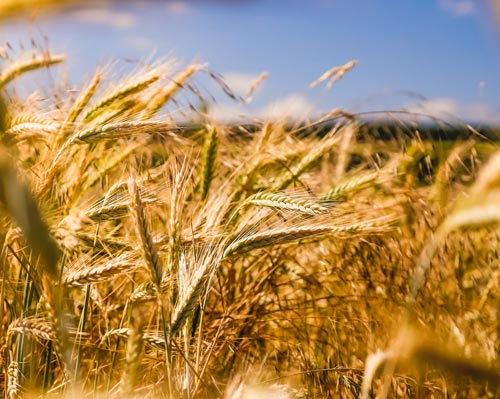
<point x="459" y="8"/>
<point x="105" y="16"/>
<point x="228" y="113"/>
<point x="451" y="110"/>
<point x="239" y="82"/>
<point x="140" y="43"/>
<point x="177" y="7"/>
<point x="295" y="107"/>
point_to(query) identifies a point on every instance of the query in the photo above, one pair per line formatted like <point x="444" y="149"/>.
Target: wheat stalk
<point x="256" y="83"/>
<point x="112" y="209"/>
<point x="133" y="354"/>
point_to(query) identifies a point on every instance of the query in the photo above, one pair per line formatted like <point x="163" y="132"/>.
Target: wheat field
<point x="146" y="257"/>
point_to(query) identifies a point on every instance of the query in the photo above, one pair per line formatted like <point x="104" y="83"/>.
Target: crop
<point x="144" y="256"/>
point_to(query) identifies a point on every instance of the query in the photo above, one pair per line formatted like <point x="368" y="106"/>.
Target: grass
<point x="146" y="258"/>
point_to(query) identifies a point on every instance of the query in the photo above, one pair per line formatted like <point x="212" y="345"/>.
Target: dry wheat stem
<point x="256" y="83"/>
<point x="334" y="74"/>
<point x="133" y="355"/>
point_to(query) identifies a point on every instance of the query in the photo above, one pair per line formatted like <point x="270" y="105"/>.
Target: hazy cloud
<point x="177" y="7"/>
<point x="140" y="43"/>
<point x="451" y="110"/>
<point x="240" y="82"/>
<point x="459" y="8"/>
<point x="294" y="107"/>
<point x="105" y="16"/>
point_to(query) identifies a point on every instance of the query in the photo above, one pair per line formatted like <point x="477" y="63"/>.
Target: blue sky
<point x="433" y="56"/>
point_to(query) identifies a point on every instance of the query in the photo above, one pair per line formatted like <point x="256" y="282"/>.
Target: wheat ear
<point x="33" y="127"/>
<point x="20" y="67"/>
<point x="208" y="158"/>
<point x="32" y="327"/>
<point x="101" y="272"/>
<point x="84" y="98"/>
<point x="109" y="163"/>
<point x="152" y="340"/>
<point x="281" y="236"/>
<point x="118" y="95"/>
<point x="13" y="389"/>
<point x="149" y="251"/>
<point x="79" y="105"/>
<point x="194" y="287"/>
<point x="162" y="97"/>
<point x="350" y="186"/>
<point x="112" y="131"/>
<point x="307" y="161"/>
<point x="284" y="202"/>
<point x="334" y="74"/>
